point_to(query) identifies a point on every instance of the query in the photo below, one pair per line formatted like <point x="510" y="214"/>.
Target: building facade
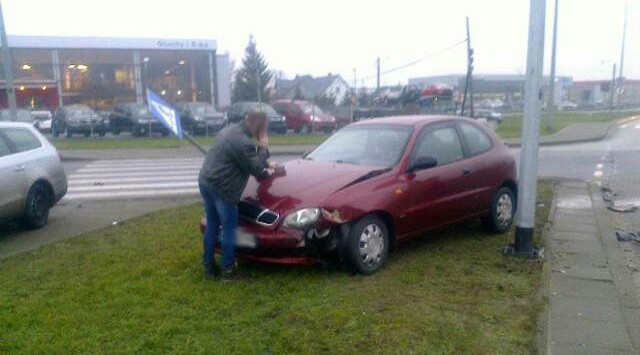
<point x="54" y="71"/>
<point x="311" y="88"/>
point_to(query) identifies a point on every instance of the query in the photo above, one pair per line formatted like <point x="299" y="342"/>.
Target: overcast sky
<point x="319" y="37"/>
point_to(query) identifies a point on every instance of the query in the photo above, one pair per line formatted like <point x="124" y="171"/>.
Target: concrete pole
<point x="378" y="74"/>
<point x="8" y="67"/>
<point x="612" y="87"/>
<point x="523" y="245"/>
<point x="624" y="39"/>
<point x="552" y="78"/>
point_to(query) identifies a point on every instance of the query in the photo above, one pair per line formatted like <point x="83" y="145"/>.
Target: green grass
<point x="511" y="126"/>
<point x="137" y="288"/>
<point x="158" y="142"/>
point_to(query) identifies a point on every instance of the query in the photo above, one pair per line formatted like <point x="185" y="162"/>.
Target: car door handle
<point x="19" y="168"/>
<point x="466" y="171"/>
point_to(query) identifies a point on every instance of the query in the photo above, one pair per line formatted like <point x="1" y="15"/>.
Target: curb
<point x="543" y="340"/>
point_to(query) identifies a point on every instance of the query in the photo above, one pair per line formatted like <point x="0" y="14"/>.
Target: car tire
<point x="102" y="133"/>
<point x="367" y="246"/>
<point x="503" y="208"/>
<point x="39" y="202"/>
<point x="67" y="133"/>
<point x="115" y="132"/>
<point x="54" y="133"/>
<point x="304" y="129"/>
<point x="87" y="134"/>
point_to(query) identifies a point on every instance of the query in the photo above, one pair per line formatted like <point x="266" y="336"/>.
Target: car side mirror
<point x="423" y="163"/>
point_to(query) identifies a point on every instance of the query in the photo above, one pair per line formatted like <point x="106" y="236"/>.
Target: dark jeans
<point x="219" y="213"/>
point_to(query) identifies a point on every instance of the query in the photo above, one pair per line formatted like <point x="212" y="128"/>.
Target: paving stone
<point x="575" y="287"/>
<point x="583" y="272"/>
<point x="588" y="333"/>
<point x="574" y="236"/>
<point x="564" y="226"/>
<point x="576" y="247"/>
<point x="586" y="308"/>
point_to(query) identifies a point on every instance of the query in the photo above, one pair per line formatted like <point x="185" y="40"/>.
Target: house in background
<point x="310" y="88"/>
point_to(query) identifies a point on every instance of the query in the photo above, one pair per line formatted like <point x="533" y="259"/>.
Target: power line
<point x="414" y="62"/>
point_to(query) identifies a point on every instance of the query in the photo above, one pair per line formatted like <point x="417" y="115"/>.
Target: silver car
<point x="32" y="177"/>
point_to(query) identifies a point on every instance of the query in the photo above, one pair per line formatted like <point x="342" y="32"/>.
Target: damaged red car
<point x="374" y="184"/>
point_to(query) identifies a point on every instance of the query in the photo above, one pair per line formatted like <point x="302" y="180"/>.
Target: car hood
<point x="305" y="184"/>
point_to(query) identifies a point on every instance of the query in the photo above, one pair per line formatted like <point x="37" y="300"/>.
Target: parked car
<point x="32" y="175"/>
<point x="21" y="116"/>
<point x="42" y="120"/>
<point x="492" y="118"/>
<point x="238" y="111"/>
<point x="305" y="117"/>
<point x="200" y="118"/>
<point x="77" y="119"/>
<point x="135" y="118"/>
<point x="374" y="184"/>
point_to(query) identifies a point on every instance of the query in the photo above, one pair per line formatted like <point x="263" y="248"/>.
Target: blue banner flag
<point x="164" y="113"/>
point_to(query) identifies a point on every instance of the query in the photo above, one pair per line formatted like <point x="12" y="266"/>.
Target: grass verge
<point x="138" y="288"/>
<point x="511" y="126"/>
<point x="158" y="142"/>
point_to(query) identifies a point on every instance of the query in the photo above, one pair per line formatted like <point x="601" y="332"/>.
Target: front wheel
<point x="38" y="204"/>
<point x="503" y="209"/>
<point x="367" y="246"/>
<point x="304" y="129"/>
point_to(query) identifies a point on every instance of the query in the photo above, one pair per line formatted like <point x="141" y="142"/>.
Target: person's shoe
<point x="229" y="275"/>
<point x="212" y="271"/>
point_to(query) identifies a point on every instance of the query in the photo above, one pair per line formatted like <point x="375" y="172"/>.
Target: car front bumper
<point x="290" y="247"/>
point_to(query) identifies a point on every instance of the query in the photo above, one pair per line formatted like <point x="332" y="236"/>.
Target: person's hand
<point x="272" y="165"/>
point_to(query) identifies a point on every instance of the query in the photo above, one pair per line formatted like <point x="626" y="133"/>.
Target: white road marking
<point x="134" y="178"/>
<point x="598" y="173"/>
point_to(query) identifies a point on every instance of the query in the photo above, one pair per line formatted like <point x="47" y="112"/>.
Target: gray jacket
<point x="233" y="157"/>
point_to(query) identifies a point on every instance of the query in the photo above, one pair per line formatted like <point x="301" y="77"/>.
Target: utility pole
<point x="612" y="87"/>
<point x="378" y="74"/>
<point x="523" y="246"/>
<point x="624" y="38"/>
<point x="258" y="84"/>
<point x="355" y="82"/>
<point x="468" y="84"/>
<point x="552" y="78"/>
<point x="8" y="67"/>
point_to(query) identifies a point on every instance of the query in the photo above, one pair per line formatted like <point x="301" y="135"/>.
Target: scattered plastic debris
<point x="628" y="236"/>
<point x="607" y="194"/>
<point x="623" y="207"/>
<point x="560" y="271"/>
<point x="115" y="223"/>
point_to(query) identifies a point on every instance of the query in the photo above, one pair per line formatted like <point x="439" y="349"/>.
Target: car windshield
<point x="264" y="107"/>
<point x="375" y="145"/>
<point x="80" y="111"/>
<point x="203" y="110"/>
<point x="21" y="115"/>
<point x="312" y="109"/>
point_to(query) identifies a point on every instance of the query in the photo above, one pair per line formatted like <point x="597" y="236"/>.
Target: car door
<point x="481" y="178"/>
<point x="438" y="195"/>
<point x="12" y="176"/>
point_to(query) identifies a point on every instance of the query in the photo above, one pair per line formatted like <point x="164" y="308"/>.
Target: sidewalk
<point x="573" y="133"/>
<point x="167" y="153"/>
<point x="593" y="305"/>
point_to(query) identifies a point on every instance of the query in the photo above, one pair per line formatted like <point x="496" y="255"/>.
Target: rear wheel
<point x="38" y="204"/>
<point x="502" y="212"/>
<point x="87" y="134"/>
<point x="367" y="246"/>
<point x="67" y="133"/>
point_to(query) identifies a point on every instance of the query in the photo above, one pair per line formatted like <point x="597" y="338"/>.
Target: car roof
<point x="413" y="121"/>
<point x="14" y="124"/>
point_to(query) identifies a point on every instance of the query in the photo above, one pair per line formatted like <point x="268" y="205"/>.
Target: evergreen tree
<point x="254" y="70"/>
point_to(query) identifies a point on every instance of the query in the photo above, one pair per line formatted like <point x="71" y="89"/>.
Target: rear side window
<point x="477" y="141"/>
<point x="4" y="147"/>
<point x="22" y="139"/>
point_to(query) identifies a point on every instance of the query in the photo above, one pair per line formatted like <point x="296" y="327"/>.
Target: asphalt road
<point x="106" y="191"/>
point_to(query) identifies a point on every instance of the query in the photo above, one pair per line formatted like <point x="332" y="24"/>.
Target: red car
<point x="305" y="117"/>
<point x="374" y="184"/>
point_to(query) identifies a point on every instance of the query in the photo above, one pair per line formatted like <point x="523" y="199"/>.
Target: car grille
<point x="255" y="213"/>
